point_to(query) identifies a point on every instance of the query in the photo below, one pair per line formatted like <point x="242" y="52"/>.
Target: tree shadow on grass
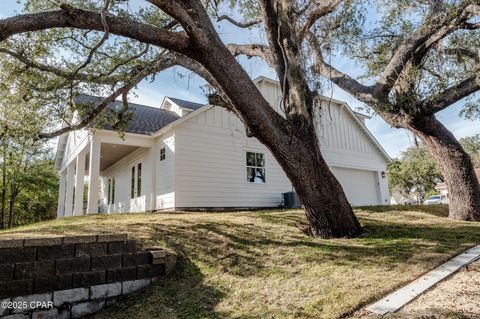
<point x="181" y="294"/>
<point x="269" y="245"/>
<point x="243" y="249"/>
<point x="435" y="210"/>
<point x="246" y="249"/>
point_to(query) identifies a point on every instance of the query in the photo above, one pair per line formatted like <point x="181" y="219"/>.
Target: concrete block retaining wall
<point x="71" y="277"/>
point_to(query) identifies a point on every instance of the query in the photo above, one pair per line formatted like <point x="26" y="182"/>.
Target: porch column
<point x="61" y="195"/>
<point x="152" y="157"/>
<point x="69" y="189"/>
<point x="79" y="181"/>
<point x="94" y="172"/>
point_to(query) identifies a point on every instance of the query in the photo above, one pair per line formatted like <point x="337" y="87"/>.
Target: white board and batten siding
<point x="122" y="171"/>
<point x="76" y="142"/>
<point x="210" y="166"/>
<point x="205" y="163"/>
<point x="347" y="148"/>
<point x="157" y="179"/>
<point x="165" y="172"/>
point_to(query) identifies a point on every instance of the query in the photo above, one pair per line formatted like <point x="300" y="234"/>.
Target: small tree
<point x="416" y="172"/>
<point x="26" y="173"/>
<point x="38" y="194"/>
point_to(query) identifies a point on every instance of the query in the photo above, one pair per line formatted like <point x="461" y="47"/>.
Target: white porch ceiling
<point x="112" y="153"/>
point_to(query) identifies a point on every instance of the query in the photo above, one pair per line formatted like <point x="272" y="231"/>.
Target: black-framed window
<point x="162" y="153"/>
<point x="132" y="183"/>
<point x="256" y="168"/>
<point x="139" y="179"/>
<point x="111" y="191"/>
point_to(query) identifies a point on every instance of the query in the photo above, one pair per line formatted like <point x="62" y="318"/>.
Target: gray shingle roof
<point x="186" y="104"/>
<point x="145" y="119"/>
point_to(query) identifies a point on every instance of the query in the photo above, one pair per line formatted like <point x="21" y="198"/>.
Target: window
<point x="162" y="154"/>
<point x="132" y="183"/>
<point x="256" y="168"/>
<point x="139" y="179"/>
<point x="111" y="191"/>
<point x="136" y="180"/>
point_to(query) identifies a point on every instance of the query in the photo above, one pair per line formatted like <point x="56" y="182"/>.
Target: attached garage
<point x="360" y="186"/>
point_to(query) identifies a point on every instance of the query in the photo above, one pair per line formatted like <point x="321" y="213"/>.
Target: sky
<point x="189" y="87"/>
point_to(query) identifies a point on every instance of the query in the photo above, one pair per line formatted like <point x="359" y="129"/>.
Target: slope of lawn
<point x="261" y="265"/>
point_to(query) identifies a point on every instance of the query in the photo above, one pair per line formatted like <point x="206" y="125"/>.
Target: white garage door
<point x="361" y="187"/>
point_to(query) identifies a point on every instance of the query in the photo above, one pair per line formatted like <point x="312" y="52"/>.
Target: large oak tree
<point x="419" y="58"/>
<point x="182" y="33"/>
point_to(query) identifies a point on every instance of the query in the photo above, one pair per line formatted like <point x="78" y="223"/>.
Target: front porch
<point x="84" y="162"/>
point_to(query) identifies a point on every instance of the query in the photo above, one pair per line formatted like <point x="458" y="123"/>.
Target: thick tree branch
<point x="101" y="79"/>
<point x="251" y="50"/>
<point x="164" y="62"/>
<point x="272" y="30"/>
<point x="70" y="17"/>
<point x="451" y="95"/>
<point x="472" y="26"/>
<point x="176" y="10"/>
<point x="243" y="25"/>
<point x="137" y="76"/>
<point x="416" y="47"/>
<point x="344" y="81"/>
<point x="315" y="14"/>
<point x="470" y="53"/>
<point x="106" y="34"/>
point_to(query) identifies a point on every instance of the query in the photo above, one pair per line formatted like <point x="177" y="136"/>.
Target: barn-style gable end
<point x="344" y="138"/>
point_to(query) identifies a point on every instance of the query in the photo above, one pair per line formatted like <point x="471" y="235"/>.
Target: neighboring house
<point x="442" y="188"/>
<point x="397" y="198"/>
<point x="185" y="155"/>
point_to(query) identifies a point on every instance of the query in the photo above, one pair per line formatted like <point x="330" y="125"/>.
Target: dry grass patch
<point x="260" y="265"/>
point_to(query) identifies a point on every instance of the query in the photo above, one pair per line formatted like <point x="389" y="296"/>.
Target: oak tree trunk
<point x="294" y="146"/>
<point x="455" y="164"/>
<point x="324" y="201"/>
<point x="295" y="149"/>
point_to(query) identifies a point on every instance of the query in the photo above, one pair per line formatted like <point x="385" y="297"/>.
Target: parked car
<point x="436" y="199"/>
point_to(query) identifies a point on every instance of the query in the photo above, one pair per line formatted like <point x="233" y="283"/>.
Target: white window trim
<point x="253" y="184"/>
<point x="135" y="187"/>
<point x="111" y="185"/>
<point x="164" y="153"/>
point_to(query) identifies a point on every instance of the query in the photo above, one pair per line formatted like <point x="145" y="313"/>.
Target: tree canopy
<point x="28" y="181"/>
<point x="471" y="144"/>
<point x="414" y="173"/>
<point x="116" y="46"/>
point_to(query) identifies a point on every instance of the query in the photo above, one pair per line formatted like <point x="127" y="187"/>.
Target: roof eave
<point x="352" y="113"/>
<point x="181" y="120"/>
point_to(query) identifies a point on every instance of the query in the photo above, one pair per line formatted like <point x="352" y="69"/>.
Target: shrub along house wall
<point x="70" y="277"/>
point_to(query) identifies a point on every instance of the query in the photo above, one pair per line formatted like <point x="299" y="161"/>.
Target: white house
<point x="185" y="155"/>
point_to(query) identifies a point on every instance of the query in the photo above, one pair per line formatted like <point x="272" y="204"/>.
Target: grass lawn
<point x="261" y="265"/>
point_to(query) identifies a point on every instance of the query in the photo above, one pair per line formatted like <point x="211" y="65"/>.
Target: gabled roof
<point x="145" y="119"/>
<point x="352" y="113"/>
<point x="361" y="115"/>
<point x="185" y="104"/>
